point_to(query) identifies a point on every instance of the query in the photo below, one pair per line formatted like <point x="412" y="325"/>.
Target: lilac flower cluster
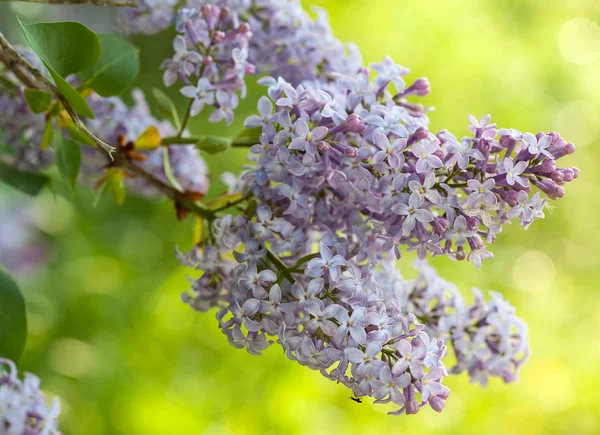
<point x="211" y="59"/>
<point x="23" y="408"/>
<point x="363" y="162"/>
<point x="288" y="42"/>
<point x="352" y="169"/>
<point x="149" y="17"/>
<point x="488" y="338"/>
<point x="328" y="313"/>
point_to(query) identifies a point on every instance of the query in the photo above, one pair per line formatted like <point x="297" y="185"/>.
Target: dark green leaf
<point x="28" y="182"/>
<point x="38" y="101"/>
<point x="213" y="144"/>
<point x="75" y="100"/>
<point x="67" y="47"/>
<point x="77" y="134"/>
<point x="13" y="321"/>
<point x="166" y="106"/>
<point x="117" y="68"/>
<point x="68" y="159"/>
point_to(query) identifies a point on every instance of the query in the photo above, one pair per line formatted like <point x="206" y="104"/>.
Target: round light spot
<point x="551" y="385"/>
<point x="578" y="122"/>
<point x="71" y="357"/>
<point x="579" y="41"/>
<point x="534" y="272"/>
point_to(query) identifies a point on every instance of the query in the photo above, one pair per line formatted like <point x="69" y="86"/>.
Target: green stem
<point x="177" y="140"/>
<point x="186" y="118"/>
<point x="280" y="265"/>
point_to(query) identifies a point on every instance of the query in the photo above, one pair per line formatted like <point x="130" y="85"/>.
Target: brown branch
<point x="130" y="4"/>
<point x="33" y="78"/>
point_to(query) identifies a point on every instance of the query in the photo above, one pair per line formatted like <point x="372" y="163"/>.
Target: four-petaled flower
<point x="393" y="152"/>
<point x="426" y="159"/>
<point x="481" y="192"/>
<point x="327" y="263"/>
<point x="538" y="146"/>
<point x="513" y="172"/>
<point x="306" y="139"/>
<point x="202" y="94"/>
<point x="412" y="212"/>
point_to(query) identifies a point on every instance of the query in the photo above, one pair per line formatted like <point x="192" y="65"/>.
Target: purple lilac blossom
<point x="315" y="181"/>
<point x="211" y="59"/>
<point x="488" y="339"/>
<point x="23" y="407"/>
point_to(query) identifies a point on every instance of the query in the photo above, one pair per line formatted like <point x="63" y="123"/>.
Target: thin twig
<point x="33" y="78"/>
<point x="129" y="4"/>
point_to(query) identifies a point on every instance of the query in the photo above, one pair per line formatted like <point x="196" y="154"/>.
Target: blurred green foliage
<point x="110" y="336"/>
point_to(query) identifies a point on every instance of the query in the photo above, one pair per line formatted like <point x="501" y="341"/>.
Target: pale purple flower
<point x="424" y="152"/>
<point x="513" y="172"/>
<point x="459" y="231"/>
<point x="367" y="361"/>
<point x="306" y="139"/>
<point x="255" y="281"/>
<point x="393" y="152"/>
<point x="187" y="60"/>
<point x="244" y="313"/>
<point x="327" y="263"/>
<point x="349" y="323"/>
<point x="393" y="383"/>
<point x="523" y="209"/>
<point x="424" y="190"/>
<point x="482" y="125"/>
<point x="412" y="212"/>
<point x="226" y="104"/>
<point x="202" y="94"/>
<point x="481" y="192"/>
<point x="538" y="146"/>
<point x="265" y="109"/>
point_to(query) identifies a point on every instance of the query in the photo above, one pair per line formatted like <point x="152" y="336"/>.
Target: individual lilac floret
<point x="211" y="58"/>
<point x="23" y="407"/>
<point x="149" y="17"/>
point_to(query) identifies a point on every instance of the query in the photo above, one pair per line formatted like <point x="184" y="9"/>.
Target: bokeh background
<point x="109" y="335"/>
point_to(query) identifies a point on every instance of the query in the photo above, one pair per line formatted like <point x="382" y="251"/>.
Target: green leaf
<point x="68" y="159"/>
<point x="28" y="182"/>
<point x="76" y="133"/>
<point x="117" y="68"/>
<point x="213" y="144"/>
<point x="65" y="48"/>
<point x="13" y="321"/>
<point x="166" y="107"/>
<point x="75" y="100"/>
<point x="116" y="182"/>
<point x="169" y="171"/>
<point x="68" y="47"/>
<point x="48" y="134"/>
<point x="38" y="101"/>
